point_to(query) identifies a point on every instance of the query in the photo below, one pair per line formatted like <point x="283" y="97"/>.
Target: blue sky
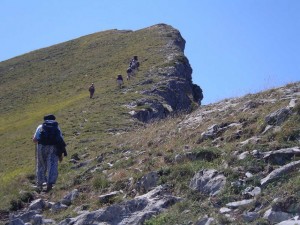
<point x="235" y="47"/>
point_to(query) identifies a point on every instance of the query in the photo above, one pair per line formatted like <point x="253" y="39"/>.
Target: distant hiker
<point x="129" y="73"/>
<point x="92" y="90"/>
<point x="50" y="148"/>
<point x="134" y="63"/>
<point x="120" y="80"/>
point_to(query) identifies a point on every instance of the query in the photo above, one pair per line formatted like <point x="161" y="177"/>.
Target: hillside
<point x="55" y="80"/>
<point x="141" y="155"/>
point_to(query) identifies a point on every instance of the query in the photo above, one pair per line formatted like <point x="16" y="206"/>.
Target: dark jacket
<point x="61" y="148"/>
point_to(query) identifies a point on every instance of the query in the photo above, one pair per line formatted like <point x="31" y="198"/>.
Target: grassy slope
<point x="55" y="80"/>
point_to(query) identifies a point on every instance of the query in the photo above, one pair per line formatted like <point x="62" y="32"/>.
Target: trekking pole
<point x="36" y="153"/>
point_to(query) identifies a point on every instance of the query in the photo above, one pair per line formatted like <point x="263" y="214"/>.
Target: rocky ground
<point x="247" y="170"/>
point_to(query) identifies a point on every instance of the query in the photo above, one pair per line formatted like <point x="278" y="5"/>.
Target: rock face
<point x="175" y="90"/>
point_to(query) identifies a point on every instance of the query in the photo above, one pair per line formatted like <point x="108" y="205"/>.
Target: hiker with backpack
<point x="49" y="150"/>
<point x="134" y="63"/>
<point x="129" y="73"/>
<point x="92" y="90"/>
<point x="120" y="80"/>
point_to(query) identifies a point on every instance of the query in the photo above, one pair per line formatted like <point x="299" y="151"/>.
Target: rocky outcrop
<point x="278" y="117"/>
<point x="175" y="90"/>
<point x="281" y="156"/>
<point x="134" y="211"/>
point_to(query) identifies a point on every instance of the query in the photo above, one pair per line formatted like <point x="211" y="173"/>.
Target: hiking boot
<point x="49" y="187"/>
<point x="39" y="188"/>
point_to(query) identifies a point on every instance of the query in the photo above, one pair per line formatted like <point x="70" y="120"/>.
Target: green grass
<point x="55" y="80"/>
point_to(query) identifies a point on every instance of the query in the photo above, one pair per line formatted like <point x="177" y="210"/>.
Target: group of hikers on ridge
<point x="131" y="70"/>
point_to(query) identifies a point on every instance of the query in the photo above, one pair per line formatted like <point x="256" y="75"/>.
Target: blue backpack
<point x="50" y="134"/>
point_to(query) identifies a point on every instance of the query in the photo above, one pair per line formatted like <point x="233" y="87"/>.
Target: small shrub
<point x="124" y="163"/>
<point x="16" y="204"/>
<point x="159" y="220"/>
<point x="262" y="221"/>
<point x="208" y="154"/>
<point x="223" y="219"/>
<point x="181" y="172"/>
<point x="290" y="130"/>
<point x="297" y="109"/>
<point x="31" y="177"/>
<point x="100" y="182"/>
<point x="26" y="197"/>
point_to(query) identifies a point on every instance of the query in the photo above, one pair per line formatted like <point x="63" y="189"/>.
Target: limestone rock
<point x="276" y="217"/>
<point x="280" y="171"/>
<point x="70" y="197"/>
<point x="25" y="217"/>
<point x="205" y="221"/>
<point x="281" y="156"/>
<point x="16" y="222"/>
<point x="237" y="204"/>
<point x="38" y="204"/>
<point x="289" y="222"/>
<point x="208" y="182"/>
<point x="105" y="198"/>
<point x="278" y="117"/>
<point x="147" y="182"/>
<point x="250" y="216"/>
<point x="134" y="211"/>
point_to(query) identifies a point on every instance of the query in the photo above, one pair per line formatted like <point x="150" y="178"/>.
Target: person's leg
<point x="119" y="83"/>
<point x="52" y="164"/>
<point x="41" y="166"/>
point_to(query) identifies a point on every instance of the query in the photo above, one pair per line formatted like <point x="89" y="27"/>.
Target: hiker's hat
<point x="49" y="117"/>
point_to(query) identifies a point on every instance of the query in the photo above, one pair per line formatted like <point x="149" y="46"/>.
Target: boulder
<point x="276" y="217"/>
<point x="289" y="222"/>
<point x="16" y="222"/>
<point x="25" y="217"/>
<point x="205" y="221"/>
<point x="107" y="197"/>
<point x="37" y="220"/>
<point x="211" y="132"/>
<point x="292" y="103"/>
<point x="281" y="156"/>
<point x="70" y="197"/>
<point x="38" y="204"/>
<point x="275" y="174"/>
<point x="250" y="216"/>
<point x="208" y="182"/>
<point x="237" y="204"/>
<point x="243" y="155"/>
<point x="147" y="182"/>
<point x="278" y="117"/>
<point x="58" y="206"/>
<point x="251" y="192"/>
<point x="224" y="210"/>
